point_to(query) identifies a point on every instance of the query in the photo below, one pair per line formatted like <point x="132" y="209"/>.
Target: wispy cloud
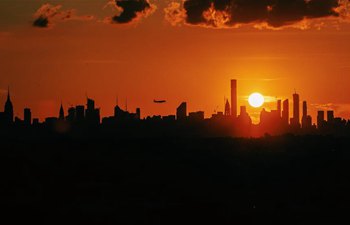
<point x="325" y="106"/>
<point x="341" y="109"/>
<point x="47" y="15"/>
<point x="102" y="61"/>
<point x="263" y="79"/>
<point x="267" y="98"/>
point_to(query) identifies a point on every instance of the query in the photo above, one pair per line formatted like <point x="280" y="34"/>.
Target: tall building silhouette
<point x="234" y="98"/>
<point x="320" y="119"/>
<point x="121" y="115"/>
<point x="330" y="116"/>
<point x="227" y="108"/>
<point x="61" y="114"/>
<point x="8" y="111"/>
<point x="306" y="121"/>
<point x="304" y="116"/>
<point x="80" y="113"/>
<point x="27" y="116"/>
<point x="90" y="104"/>
<point x="304" y="108"/>
<point x="181" y="111"/>
<point x="138" y="113"/>
<point x="244" y="122"/>
<point x="296" y="111"/>
<point x="91" y="113"/>
<point x="285" y="112"/>
<point x="71" y="114"/>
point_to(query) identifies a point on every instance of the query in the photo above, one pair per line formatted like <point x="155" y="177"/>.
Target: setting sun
<point x="256" y="100"/>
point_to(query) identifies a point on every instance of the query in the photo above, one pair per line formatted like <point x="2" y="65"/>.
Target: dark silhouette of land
<point x="272" y="180"/>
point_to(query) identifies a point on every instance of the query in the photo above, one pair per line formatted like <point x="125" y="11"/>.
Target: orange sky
<point x="152" y="59"/>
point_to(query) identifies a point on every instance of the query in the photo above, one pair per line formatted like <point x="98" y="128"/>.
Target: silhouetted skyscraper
<point x="234" y="98"/>
<point x="243" y="110"/>
<point x="27" y="117"/>
<point x="61" y="114"/>
<point x="92" y="115"/>
<point x="71" y="114"/>
<point x="181" y="111"/>
<point x="8" y="111"/>
<point x="119" y="113"/>
<point x="80" y="113"/>
<point x="296" y="111"/>
<point x="138" y="113"/>
<point x="285" y="112"/>
<point x="330" y="116"/>
<point x="244" y="121"/>
<point x="124" y="116"/>
<point x="306" y="121"/>
<point x="90" y="104"/>
<point x="304" y="109"/>
<point x="320" y="119"/>
<point x="227" y="108"/>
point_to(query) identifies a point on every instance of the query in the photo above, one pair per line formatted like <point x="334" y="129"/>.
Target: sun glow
<point x="256" y="100"/>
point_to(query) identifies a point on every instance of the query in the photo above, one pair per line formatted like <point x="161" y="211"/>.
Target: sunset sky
<point x="63" y="50"/>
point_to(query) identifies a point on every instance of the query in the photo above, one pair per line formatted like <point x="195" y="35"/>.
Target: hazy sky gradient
<point x="154" y="60"/>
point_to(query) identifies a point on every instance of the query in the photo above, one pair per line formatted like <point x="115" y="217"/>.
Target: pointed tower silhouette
<point x="8" y="111"/>
<point x="61" y="114"/>
<point x="227" y="108"/>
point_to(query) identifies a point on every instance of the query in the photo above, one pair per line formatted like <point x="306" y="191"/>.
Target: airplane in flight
<point x="159" y="101"/>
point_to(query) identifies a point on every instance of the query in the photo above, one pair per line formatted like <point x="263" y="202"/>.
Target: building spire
<point x="61" y="114"/>
<point x="8" y="93"/>
<point x="9" y="107"/>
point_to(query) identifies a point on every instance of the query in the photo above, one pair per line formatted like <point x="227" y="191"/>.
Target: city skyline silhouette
<point x="284" y="119"/>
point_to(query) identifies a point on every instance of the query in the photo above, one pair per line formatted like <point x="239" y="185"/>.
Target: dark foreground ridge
<point x="271" y="180"/>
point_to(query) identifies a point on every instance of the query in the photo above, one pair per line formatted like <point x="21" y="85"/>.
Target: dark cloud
<point x="48" y="14"/>
<point x="41" y="22"/>
<point x="273" y="13"/>
<point x="131" y="9"/>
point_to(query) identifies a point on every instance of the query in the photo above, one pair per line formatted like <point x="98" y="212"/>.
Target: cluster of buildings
<point x="226" y="123"/>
